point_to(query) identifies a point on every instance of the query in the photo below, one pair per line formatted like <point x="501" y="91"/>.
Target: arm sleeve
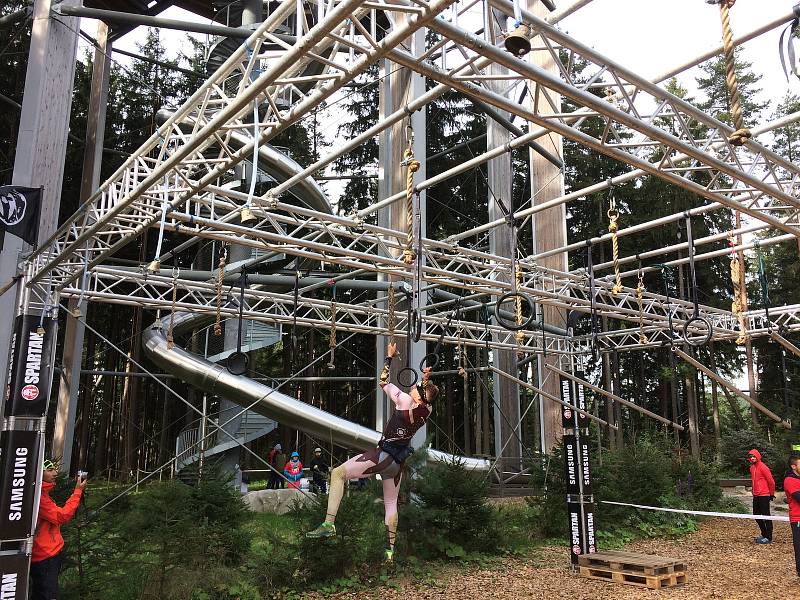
<point x="383" y="380"/>
<point x="770" y="480"/>
<point x="402" y="401"/>
<point x="52" y="512"/>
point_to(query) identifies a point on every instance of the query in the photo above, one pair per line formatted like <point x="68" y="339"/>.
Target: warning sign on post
<point x="30" y="368"/>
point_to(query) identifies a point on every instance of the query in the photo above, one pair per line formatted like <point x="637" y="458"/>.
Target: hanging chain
<point x="613" y="216"/>
<point x="170" y="337"/>
<point x="392" y="318"/>
<point x="640" y="290"/>
<point x="218" y="291"/>
<point x="741" y="134"/>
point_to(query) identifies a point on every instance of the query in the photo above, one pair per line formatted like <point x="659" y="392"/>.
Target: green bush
<point x="737" y="444"/>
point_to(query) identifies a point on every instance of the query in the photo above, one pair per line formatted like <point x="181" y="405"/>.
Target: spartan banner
<point x="30" y="366"/>
<point x="13" y="576"/>
<point x="18" y="456"/>
<point x="19" y="211"/>
<point x="574" y="395"/>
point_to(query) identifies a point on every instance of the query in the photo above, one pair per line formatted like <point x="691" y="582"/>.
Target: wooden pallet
<point x="632" y="568"/>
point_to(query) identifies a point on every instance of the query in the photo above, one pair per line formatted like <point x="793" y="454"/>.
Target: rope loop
<point x="218" y="291"/>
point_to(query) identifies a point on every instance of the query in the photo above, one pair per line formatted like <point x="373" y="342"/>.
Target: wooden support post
<point x="69" y="380"/>
<point x="549" y="226"/>
<point x="715" y="408"/>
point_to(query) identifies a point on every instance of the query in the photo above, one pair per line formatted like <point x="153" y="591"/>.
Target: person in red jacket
<point x="47" y="541"/>
<point x="791" y="485"/>
<point x="763" y="493"/>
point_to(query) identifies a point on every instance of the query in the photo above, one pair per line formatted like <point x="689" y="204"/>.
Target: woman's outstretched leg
<point x="391" y="491"/>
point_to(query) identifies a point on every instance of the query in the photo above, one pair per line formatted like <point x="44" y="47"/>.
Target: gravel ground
<point x="724" y="563"/>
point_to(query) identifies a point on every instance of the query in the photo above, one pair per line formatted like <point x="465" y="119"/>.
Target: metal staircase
<point x="187" y="446"/>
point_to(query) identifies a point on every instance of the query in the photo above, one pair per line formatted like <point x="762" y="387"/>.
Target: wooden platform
<point x="632" y="568"/>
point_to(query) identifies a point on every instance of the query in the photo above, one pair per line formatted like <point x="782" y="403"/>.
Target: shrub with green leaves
<point x="737" y="444"/>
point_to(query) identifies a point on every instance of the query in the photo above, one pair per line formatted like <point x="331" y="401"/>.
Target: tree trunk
<point x="715" y="407"/>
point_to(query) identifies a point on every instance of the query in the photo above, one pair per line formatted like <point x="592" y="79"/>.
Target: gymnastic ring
<point x="416" y="325"/>
<point x="695" y="341"/>
<point x="512" y="326"/>
<point x="237" y="363"/>
<point x="413" y="374"/>
<point x="423" y="363"/>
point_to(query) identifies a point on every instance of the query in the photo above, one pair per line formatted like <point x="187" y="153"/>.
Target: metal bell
<point x="518" y="42"/>
<point x="247" y="216"/>
<point x="154" y="266"/>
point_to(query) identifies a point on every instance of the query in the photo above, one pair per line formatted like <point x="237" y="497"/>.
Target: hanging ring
<point x="415" y="326"/>
<point x="407" y="373"/>
<point x="429" y="361"/>
<point x="513" y="325"/>
<point x="703" y="338"/>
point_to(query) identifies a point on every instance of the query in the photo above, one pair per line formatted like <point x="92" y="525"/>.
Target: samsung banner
<point x="18" y="457"/>
<point x="571" y="464"/>
<point x="30" y="368"/>
<point x="13" y="576"/>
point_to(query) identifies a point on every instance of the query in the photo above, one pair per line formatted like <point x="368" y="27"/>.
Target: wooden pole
<point x="731" y="387"/>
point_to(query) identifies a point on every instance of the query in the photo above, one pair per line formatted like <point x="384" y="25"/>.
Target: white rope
<point x="703" y="513"/>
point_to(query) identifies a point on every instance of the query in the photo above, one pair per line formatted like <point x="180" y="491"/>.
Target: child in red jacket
<point x="47" y="541"/>
<point x="763" y="493"/>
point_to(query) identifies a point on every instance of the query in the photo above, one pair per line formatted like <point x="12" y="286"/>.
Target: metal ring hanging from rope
<point x="408" y="374"/>
<point x="613" y="227"/>
<point x="697" y="321"/>
<point x="520" y="322"/>
<point x="515" y="325"/>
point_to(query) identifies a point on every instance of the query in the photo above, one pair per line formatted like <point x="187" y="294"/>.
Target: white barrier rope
<point x="703" y="513"/>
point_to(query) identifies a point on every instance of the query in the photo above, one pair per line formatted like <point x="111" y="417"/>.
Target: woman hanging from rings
<point x="412" y="410"/>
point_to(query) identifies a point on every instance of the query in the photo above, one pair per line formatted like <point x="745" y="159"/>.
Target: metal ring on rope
<point x="237" y="363"/>
<point x="407" y="373"/>
<point x="512" y="325"/>
<point x="703" y="339"/>
<point x="416" y="325"/>
<point x="433" y="357"/>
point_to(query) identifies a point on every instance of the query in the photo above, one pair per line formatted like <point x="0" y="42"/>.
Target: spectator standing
<point x="319" y="471"/>
<point x="791" y="485"/>
<point x="763" y="494"/>
<point x="294" y="471"/>
<point x="48" y="545"/>
<point x="276" y="459"/>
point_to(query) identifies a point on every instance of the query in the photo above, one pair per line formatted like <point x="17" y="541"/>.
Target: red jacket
<point x="48" y="541"/>
<point x="763" y="483"/>
<point x="791" y="485"/>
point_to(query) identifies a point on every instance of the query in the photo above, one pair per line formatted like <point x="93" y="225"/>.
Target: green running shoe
<point x="323" y="531"/>
<point x="388" y="556"/>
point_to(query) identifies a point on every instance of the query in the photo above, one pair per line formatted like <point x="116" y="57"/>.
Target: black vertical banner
<point x="585" y="469"/>
<point x="575" y="531"/>
<point x="588" y="527"/>
<point x="580" y="401"/>
<point x="567" y="418"/>
<point x="18" y="456"/>
<point x="571" y="468"/>
<point x="13" y="576"/>
<point x="28" y="388"/>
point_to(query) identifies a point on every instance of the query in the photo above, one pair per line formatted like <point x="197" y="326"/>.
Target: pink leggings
<point x="370" y="463"/>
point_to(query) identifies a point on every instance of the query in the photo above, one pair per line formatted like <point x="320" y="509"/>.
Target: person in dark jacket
<point x="276" y="459"/>
<point x="319" y="471"/>
<point x="48" y="545"/>
<point x="791" y="485"/>
<point x="763" y="494"/>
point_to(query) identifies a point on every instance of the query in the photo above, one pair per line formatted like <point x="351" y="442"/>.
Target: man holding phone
<point x="48" y="545"/>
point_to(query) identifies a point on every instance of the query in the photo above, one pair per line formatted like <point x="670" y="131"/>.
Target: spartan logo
<point x="12" y="207"/>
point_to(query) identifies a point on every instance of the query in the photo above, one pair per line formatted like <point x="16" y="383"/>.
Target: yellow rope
<point x="412" y="166"/>
<point x="742" y="134"/>
<point x="218" y="291"/>
<point x="739" y="304"/>
<point x="170" y="337"/>
<point x="332" y="340"/>
<point x="613" y="216"/>
<point x="392" y="319"/>
<point x="640" y="290"/>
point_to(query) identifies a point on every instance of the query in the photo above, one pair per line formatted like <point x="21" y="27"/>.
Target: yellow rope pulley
<point x="741" y="134"/>
<point x="218" y="291"/>
<point x="613" y="227"/>
<point x="170" y="337"/>
<point x="412" y="166"/>
<point x="640" y="290"/>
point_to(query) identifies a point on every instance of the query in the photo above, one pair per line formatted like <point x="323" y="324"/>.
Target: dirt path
<point x="724" y="563"/>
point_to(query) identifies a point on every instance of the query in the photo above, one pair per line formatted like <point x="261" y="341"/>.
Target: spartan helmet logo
<point x="12" y="207"/>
